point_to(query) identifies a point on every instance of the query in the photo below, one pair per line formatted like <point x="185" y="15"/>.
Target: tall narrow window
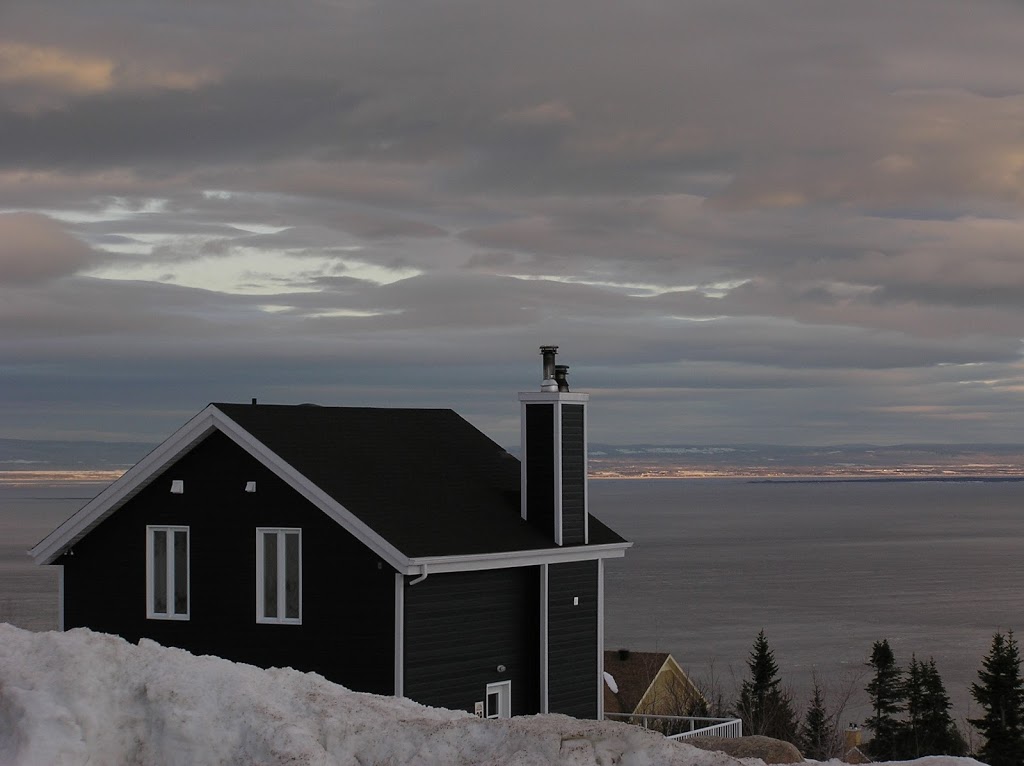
<point x="279" y="576"/>
<point x="167" y="574"/>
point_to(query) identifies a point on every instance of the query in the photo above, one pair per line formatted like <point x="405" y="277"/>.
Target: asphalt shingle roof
<point x="633" y="673"/>
<point x="426" y="480"/>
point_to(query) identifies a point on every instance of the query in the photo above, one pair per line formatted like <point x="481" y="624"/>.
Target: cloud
<point x="43" y="77"/>
<point x="34" y="248"/>
<point x="789" y="222"/>
<point x="50" y="67"/>
<point x="547" y="113"/>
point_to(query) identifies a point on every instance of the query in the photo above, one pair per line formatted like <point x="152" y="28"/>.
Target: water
<point x="28" y="594"/>
<point x="825" y="568"/>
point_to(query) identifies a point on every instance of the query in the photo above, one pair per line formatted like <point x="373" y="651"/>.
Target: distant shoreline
<point x="806" y="477"/>
<point x="794" y="475"/>
<point x="966" y="478"/>
<point x="14" y="479"/>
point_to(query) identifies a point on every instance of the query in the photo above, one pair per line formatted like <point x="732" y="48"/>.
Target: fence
<point x="683" y="726"/>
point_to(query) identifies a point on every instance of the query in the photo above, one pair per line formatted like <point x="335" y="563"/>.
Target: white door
<point x="498" y="702"/>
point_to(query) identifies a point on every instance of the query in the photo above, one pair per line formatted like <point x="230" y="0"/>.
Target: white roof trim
<point x="508" y="559"/>
<point x="115" y="495"/>
<point x="211" y="418"/>
<point x="570" y="397"/>
<point x="298" y="481"/>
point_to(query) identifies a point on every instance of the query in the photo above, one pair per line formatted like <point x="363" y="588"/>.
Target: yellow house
<point x="650" y="683"/>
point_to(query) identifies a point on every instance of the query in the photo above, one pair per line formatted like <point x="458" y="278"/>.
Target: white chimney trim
<point x="553" y="396"/>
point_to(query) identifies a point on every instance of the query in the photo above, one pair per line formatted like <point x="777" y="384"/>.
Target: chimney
<point x="554" y="452"/>
<point x="851" y="738"/>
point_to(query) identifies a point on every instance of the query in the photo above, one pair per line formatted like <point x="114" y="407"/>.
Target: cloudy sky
<point x="776" y="221"/>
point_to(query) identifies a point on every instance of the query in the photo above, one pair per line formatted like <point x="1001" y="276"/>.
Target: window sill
<point x="273" y="621"/>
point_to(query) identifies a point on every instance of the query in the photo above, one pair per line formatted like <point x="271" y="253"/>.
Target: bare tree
<point x="714" y="693"/>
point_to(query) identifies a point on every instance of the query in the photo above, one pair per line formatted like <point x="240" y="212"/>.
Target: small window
<point x="279" y="576"/>
<point x="167" y="573"/>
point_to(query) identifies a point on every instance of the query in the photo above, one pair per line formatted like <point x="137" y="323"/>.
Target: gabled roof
<point x="423" y="488"/>
<point x="634" y="672"/>
<point x="647" y="682"/>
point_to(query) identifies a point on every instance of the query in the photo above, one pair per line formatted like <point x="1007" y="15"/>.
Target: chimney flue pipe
<point x="548" y="353"/>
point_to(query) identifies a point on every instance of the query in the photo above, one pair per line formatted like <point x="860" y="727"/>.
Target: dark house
<point x="396" y="551"/>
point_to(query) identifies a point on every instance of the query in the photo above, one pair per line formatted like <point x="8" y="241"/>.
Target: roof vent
<point x="561" y="370"/>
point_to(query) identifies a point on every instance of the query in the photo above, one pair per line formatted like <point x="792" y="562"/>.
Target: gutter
<point x="423" y="575"/>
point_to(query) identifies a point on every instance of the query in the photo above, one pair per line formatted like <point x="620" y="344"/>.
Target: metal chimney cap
<point x="548" y="367"/>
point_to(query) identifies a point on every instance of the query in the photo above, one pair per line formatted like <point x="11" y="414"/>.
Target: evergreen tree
<point x="1000" y="693"/>
<point x="938" y="732"/>
<point x="886" y="692"/>
<point x="764" y="706"/>
<point x="818" y="732"/>
<point x="908" y="735"/>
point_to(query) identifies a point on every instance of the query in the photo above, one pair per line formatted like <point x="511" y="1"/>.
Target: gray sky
<point x="777" y="221"/>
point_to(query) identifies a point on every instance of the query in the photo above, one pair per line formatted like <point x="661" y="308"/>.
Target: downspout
<point x="423" y="575"/>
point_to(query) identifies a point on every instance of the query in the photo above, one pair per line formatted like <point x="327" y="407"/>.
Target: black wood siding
<point x="573" y="475"/>
<point x="573" y="681"/>
<point x="540" y="466"/>
<point x="460" y="626"/>
<point x="347" y="631"/>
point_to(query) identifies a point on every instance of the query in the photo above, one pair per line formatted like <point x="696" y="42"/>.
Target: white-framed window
<point x="279" y="576"/>
<point x="167" y="573"/>
<point x="498" y="702"/>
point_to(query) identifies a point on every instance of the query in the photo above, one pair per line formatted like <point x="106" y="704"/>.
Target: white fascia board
<point x="60" y="597"/>
<point x="546" y="397"/>
<point x="509" y="559"/>
<point x="544" y="672"/>
<point x="586" y="476"/>
<point x="523" y="510"/>
<point x="297" y="481"/>
<point x="140" y="475"/>
<point x="557" y="458"/>
<point x="117" y="494"/>
<point x="211" y="418"/>
<point x="399" y="635"/>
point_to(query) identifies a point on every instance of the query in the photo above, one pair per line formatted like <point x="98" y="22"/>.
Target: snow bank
<point x="77" y="697"/>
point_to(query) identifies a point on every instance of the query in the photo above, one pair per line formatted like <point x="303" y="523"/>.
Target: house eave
<point x="50" y="548"/>
<point x="145" y="471"/>
<point x="135" y="479"/>
<point x="509" y="559"/>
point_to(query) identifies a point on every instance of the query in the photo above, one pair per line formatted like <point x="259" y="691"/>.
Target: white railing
<point x="692" y="726"/>
<point x="728" y="728"/>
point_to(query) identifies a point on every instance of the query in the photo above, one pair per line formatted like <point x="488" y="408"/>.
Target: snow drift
<point x="77" y="697"/>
